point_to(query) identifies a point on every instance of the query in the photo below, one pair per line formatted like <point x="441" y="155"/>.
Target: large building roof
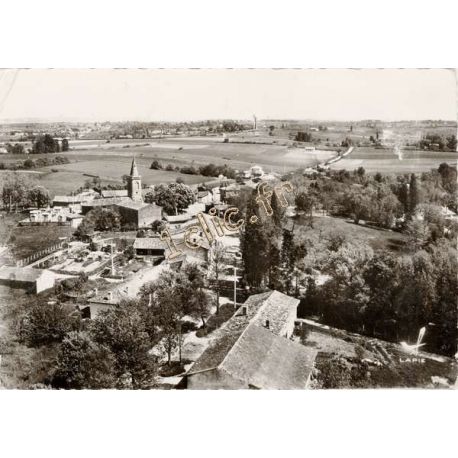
<point x="259" y="356"/>
<point x="115" y="193"/>
<point x="26" y="274"/>
<point x="260" y="359"/>
<point x="266" y="361"/>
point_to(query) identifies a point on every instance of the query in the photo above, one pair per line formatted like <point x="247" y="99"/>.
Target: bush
<point x="155" y="165"/>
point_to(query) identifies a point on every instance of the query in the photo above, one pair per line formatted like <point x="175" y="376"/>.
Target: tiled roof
<point x="115" y="193"/>
<point x="276" y="308"/>
<point x="271" y="305"/>
<point x="150" y="243"/>
<point x="106" y="202"/>
<point x="129" y="203"/>
<point x="266" y="361"/>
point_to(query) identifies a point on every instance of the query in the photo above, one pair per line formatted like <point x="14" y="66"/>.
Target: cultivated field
<point x="386" y="161"/>
<point x="111" y="160"/>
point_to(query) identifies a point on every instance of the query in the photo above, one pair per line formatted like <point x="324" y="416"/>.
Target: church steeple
<point x="133" y="169"/>
<point x="134" y="185"/>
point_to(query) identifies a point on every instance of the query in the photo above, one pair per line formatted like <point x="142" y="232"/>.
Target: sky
<point x="184" y="95"/>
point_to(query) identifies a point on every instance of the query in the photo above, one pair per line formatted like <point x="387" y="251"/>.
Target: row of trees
<point x="358" y="297"/>
<point x="391" y="297"/>
<point x="47" y="144"/>
<point x="19" y="191"/>
<point x="209" y="170"/>
<point x="435" y="142"/>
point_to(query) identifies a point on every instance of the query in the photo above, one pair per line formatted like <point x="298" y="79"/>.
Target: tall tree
<point x="173" y="198"/>
<point x="413" y="194"/>
<point x="65" y="145"/>
<point x="123" y="329"/>
<point x="84" y="364"/>
<point x="255" y="244"/>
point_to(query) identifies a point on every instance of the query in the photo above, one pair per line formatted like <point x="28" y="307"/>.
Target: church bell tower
<point x="134" y="185"/>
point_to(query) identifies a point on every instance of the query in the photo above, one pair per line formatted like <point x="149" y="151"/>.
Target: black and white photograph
<point x="228" y="229"/>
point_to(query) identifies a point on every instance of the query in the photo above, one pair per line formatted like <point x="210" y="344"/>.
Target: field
<point x="378" y="239"/>
<point x="27" y="240"/>
<point x="111" y="160"/>
<point x="386" y="161"/>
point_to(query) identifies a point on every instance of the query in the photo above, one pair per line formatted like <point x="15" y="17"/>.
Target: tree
<point x="171" y="297"/>
<point x="305" y="201"/>
<point x="65" y="145"/>
<point x="45" y="144"/>
<point x="451" y="143"/>
<point x="217" y="261"/>
<point x="17" y="148"/>
<point x="48" y="322"/>
<point x="123" y="330"/>
<point x="278" y="212"/>
<point x="158" y="226"/>
<point x="38" y="196"/>
<point x="29" y="164"/>
<point x="84" y="364"/>
<point x="303" y="137"/>
<point x="419" y="233"/>
<point x="357" y="204"/>
<point x="413" y="194"/>
<point x="102" y="219"/>
<point x="173" y="198"/>
<point x="156" y="165"/>
<point x="256" y="244"/>
<point x="14" y="190"/>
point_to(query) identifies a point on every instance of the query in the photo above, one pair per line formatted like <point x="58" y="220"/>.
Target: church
<point x="129" y="202"/>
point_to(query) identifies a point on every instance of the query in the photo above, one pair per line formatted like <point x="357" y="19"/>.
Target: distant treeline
<point x="29" y="163"/>
<point x="209" y="170"/>
<point x="41" y="145"/>
<point x="434" y="142"/>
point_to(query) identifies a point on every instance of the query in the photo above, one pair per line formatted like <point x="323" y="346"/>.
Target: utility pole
<point x="235" y="287"/>
<point x="112" y="262"/>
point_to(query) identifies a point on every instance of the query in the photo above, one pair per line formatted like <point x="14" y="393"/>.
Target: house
<point x="150" y="246"/>
<point x="256" y="171"/>
<point x="27" y="278"/>
<point x="257" y="359"/>
<point x="229" y="192"/>
<point x="204" y="197"/>
<point x="253" y="349"/>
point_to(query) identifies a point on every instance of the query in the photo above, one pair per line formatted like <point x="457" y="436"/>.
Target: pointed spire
<point x="133" y="169"/>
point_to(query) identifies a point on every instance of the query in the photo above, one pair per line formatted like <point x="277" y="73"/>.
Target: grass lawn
<point x="378" y="239"/>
